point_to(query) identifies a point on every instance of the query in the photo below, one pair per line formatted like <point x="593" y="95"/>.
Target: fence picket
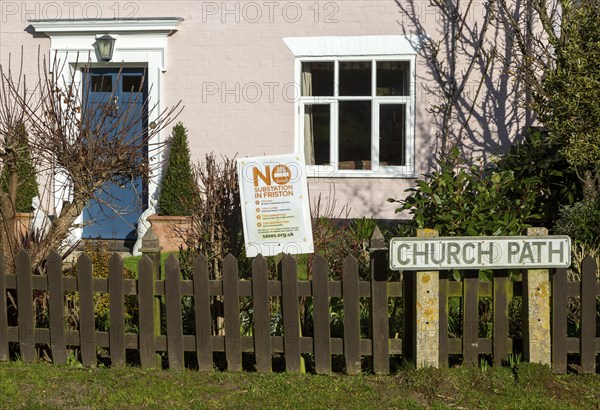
<point x="4" y="353"/>
<point x="588" y="315"/>
<point x="146" y="313"/>
<point x="291" y="313"/>
<point x="501" y="283"/>
<point x="559" y="321"/>
<point x="322" y="339"/>
<point x="443" y="348"/>
<point x="231" y="296"/>
<point x="117" y="311"/>
<point x="262" y="322"/>
<point x="379" y="313"/>
<point x="471" y="318"/>
<point x="56" y="306"/>
<point x="203" y="315"/>
<point x="25" y="307"/>
<point x="409" y="314"/>
<point x="174" y="316"/>
<point x="87" y="324"/>
<point x="351" y="315"/>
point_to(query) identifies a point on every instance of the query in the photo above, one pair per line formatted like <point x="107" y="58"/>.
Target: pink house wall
<point x="229" y="65"/>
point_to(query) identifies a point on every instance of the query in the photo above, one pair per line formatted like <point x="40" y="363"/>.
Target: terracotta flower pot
<point x="23" y="222"/>
<point x="171" y="230"/>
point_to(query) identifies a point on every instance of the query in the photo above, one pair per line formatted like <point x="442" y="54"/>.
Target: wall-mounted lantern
<point x="105" y="46"/>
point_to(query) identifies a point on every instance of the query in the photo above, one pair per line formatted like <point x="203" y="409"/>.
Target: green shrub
<point x="537" y="156"/>
<point x="466" y="201"/>
<point x="178" y="186"/>
<point x="100" y="254"/>
<point x="580" y="222"/>
<point x="27" y="175"/>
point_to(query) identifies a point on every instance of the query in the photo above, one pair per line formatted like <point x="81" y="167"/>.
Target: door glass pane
<point x="355" y="78"/>
<point x="317" y="134"/>
<point x="392" y="134"/>
<point x="393" y="77"/>
<point x="355" y="134"/>
<point x="131" y="83"/>
<point x="102" y="83"/>
<point x="317" y="79"/>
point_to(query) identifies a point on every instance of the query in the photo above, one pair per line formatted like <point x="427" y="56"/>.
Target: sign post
<point x="275" y="206"/>
<point x="536" y="310"/>
<point x="426" y="340"/>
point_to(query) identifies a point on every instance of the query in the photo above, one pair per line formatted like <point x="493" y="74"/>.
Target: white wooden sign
<point x="529" y="252"/>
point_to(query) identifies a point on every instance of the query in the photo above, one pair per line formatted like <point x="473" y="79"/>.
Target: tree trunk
<point x="58" y="232"/>
<point x="590" y="186"/>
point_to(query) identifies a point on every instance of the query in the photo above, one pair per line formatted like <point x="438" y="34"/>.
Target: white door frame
<point x="139" y="43"/>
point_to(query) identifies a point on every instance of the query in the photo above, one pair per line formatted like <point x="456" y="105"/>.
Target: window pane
<point x="393" y="77"/>
<point x="355" y="134"/>
<point x="355" y="78"/>
<point x="132" y="83"/>
<point x="317" y="79"/>
<point x="317" y="134"/>
<point x="392" y="134"/>
<point x="102" y="83"/>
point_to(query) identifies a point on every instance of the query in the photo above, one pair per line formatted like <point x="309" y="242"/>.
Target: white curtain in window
<point x="309" y="140"/>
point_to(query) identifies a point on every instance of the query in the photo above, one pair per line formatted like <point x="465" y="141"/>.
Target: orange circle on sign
<point x="281" y="174"/>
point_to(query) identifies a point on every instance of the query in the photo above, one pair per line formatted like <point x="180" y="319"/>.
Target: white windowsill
<point x="331" y="172"/>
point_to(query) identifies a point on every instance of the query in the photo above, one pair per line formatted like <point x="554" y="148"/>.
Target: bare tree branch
<point x="91" y="144"/>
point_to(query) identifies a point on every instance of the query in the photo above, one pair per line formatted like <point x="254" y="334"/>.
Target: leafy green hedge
<point x="466" y="201"/>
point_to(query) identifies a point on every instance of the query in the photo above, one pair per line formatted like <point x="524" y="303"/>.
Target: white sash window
<point x="355" y="113"/>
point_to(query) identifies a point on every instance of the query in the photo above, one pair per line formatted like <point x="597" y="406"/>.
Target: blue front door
<point x="115" y="212"/>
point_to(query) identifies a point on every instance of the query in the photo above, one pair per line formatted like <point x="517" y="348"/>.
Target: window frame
<point x="377" y="170"/>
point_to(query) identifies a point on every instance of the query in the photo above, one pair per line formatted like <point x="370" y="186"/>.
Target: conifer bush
<point x="27" y="187"/>
<point x="178" y="187"/>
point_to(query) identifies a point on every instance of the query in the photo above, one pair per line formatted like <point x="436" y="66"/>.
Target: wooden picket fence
<point x="379" y="345"/>
<point x="289" y="289"/>
<point x="585" y="344"/>
<point x="471" y="289"/>
<point x="577" y="350"/>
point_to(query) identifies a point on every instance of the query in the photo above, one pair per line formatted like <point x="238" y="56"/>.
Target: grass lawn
<point x="131" y="262"/>
<point x="46" y="386"/>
